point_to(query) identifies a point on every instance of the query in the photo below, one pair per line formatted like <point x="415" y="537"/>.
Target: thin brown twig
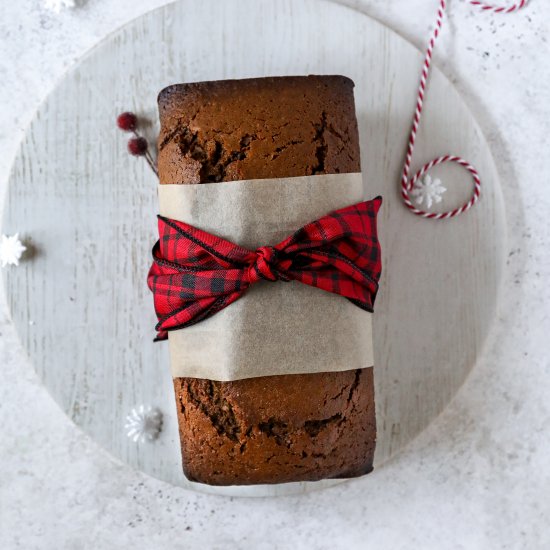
<point x="148" y="156"/>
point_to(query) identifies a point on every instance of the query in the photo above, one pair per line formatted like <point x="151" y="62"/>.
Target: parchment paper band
<point x="275" y="328"/>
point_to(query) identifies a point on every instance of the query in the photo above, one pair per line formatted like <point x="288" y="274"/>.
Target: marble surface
<point x="477" y="478"/>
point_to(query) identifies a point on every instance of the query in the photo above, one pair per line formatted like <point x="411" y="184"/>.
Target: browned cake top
<point x="257" y="128"/>
<point x="277" y="429"/>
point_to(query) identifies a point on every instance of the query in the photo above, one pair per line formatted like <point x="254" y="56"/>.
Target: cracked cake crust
<point x="265" y="432"/>
<point x="270" y="429"/>
<point x="257" y="128"/>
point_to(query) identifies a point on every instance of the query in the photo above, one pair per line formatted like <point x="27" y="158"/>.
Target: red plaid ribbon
<point x="196" y="274"/>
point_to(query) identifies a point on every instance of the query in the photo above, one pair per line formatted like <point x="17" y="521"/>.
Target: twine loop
<point x="407" y="183"/>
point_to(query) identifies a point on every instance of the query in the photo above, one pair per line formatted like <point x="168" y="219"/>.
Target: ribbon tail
<point x="194" y="312"/>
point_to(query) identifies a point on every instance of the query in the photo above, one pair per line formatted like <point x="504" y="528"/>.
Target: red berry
<point x="137" y="146"/>
<point x="127" y="121"/>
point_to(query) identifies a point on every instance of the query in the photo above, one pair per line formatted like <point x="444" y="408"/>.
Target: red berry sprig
<point x="127" y="121"/>
<point x="137" y="146"/>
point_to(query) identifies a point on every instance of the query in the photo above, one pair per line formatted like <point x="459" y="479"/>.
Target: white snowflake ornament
<point x="58" y="5"/>
<point x="428" y="191"/>
<point x="11" y="250"/>
<point x="144" y="423"/>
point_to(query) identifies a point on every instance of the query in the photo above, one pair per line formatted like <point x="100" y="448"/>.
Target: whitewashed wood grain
<point x="81" y="304"/>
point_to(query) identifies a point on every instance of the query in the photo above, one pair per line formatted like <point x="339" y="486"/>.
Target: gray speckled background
<point x="477" y="478"/>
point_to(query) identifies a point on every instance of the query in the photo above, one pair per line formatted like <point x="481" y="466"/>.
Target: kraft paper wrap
<point x="275" y="327"/>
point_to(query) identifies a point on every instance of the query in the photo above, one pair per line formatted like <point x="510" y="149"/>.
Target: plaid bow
<point x="196" y="274"/>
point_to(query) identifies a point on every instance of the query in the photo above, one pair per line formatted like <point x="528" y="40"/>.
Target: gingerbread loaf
<point x="271" y="429"/>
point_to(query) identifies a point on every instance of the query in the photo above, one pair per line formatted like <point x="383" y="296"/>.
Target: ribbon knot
<point x="196" y="274"/>
<point x="264" y="265"/>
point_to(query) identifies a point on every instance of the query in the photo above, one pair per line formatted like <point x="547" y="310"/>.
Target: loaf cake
<point x="270" y="429"/>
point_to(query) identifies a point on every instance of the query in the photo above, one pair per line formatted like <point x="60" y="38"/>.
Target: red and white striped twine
<point x="408" y="183"/>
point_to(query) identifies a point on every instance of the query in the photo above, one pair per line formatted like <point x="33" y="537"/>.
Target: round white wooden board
<point x="87" y="211"/>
